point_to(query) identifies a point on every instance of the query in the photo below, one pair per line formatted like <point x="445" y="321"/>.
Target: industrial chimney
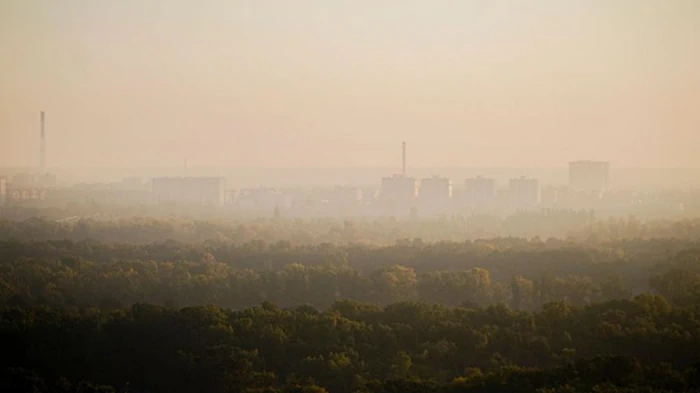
<point x="42" y="146"/>
<point x="403" y="167"/>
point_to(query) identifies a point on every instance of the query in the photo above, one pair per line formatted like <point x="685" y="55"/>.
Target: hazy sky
<point x="342" y="83"/>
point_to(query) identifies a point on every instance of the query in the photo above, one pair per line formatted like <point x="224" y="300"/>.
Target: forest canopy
<point x="195" y="307"/>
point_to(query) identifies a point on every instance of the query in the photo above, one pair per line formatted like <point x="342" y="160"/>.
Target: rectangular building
<point x="340" y="195"/>
<point x="589" y="175"/>
<point x="480" y="190"/>
<point x="190" y="190"/>
<point x="524" y="191"/>
<point x="24" y="194"/>
<point x="398" y="188"/>
<point x="263" y="199"/>
<point x="435" y="189"/>
<point x="24" y="180"/>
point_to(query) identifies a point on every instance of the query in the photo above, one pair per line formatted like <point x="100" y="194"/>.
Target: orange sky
<point x="341" y="83"/>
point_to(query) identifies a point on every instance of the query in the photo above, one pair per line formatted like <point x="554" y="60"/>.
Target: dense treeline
<point x="523" y="274"/>
<point x="644" y="344"/>
<point x="221" y="307"/>
<point x="581" y="225"/>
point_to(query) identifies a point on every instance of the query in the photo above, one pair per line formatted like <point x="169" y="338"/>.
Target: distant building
<point x="24" y="194"/>
<point x="23" y="180"/>
<point x="133" y="183"/>
<point x="398" y="188"/>
<point x="435" y="189"/>
<point x="343" y="195"/>
<point x="524" y="191"/>
<point x="263" y="199"/>
<point x="589" y="175"/>
<point x="480" y="190"/>
<point x="101" y="193"/>
<point x="190" y="190"/>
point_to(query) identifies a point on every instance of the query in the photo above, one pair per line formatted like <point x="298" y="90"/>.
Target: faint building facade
<point x="343" y="195"/>
<point x="398" y="188"/>
<point x="434" y="197"/>
<point x="480" y="191"/>
<point x="23" y="180"/>
<point x="16" y="195"/>
<point x="263" y="199"/>
<point x="132" y="183"/>
<point x="207" y="191"/>
<point x="524" y="192"/>
<point x="435" y="189"/>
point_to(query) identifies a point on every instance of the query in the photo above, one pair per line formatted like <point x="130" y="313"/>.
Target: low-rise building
<point x="189" y="190"/>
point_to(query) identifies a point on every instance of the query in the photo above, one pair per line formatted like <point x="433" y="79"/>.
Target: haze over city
<point x="349" y="196"/>
<point x="340" y="84"/>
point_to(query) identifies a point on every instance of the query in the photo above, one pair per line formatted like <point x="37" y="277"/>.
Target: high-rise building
<point x="398" y="192"/>
<point x="480" y="190"/>
<point x="589" y="175"/>
<point x="398" y="188"/>
<point x="524" y="191"/>
<point x="191" y="190"/>
<point x="435" y="189"/>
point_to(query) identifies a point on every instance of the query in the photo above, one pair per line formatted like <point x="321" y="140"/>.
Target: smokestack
<point x="403" y="167"/>
<point x="42" y="146"/>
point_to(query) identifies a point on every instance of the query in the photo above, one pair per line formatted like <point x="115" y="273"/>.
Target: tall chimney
<point x="403" y="167"/>
<point x="42" y="146"/>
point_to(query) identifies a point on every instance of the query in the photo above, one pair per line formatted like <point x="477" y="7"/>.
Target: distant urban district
<point x="183" y="284"/>
<point x="400" y="196"/>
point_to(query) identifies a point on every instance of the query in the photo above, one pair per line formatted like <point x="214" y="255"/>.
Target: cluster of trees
<point x="521" y="274"/>
<point x="580" y="225"/>
<point x="139" y="312"/>
<point x="109" y="286"/>
<point x="639" y="345"/>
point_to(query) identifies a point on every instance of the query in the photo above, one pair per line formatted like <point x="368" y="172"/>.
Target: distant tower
<point x="403" y="167"/>
<point x="42" y="146"/>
